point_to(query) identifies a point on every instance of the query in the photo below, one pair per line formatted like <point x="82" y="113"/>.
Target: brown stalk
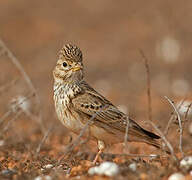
<point x="180" y="125"/>
<point x="148" y="84"/>
<point x="167" y="143"/>
<point x="11" y="121"/>
<point x="186" y="114"/>
<point x="43" y="139"/>
<point x="17" y="64"/>
<point x="126" y="133"/>
<point x="5" y="115"/>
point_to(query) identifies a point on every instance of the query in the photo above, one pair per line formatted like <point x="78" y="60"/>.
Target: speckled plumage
<point x="76" y="102"/>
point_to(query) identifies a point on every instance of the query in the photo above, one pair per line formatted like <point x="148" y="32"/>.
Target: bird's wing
<point x="90" y="102"/>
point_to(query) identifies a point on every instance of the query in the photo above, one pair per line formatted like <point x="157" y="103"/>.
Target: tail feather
<point x="150" y="134"/>
<point x="151" y="139"/>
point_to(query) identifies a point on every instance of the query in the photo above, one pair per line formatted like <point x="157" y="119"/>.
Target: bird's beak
<point x="77" y="68"/>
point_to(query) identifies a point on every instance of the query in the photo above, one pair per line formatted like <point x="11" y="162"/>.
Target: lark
<point x="76" y="102"/>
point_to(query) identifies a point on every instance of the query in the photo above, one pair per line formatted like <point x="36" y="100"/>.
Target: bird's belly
<point x="70" y="120"/>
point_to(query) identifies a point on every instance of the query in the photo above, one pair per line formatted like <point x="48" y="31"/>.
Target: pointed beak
<point x="77" y="68"/>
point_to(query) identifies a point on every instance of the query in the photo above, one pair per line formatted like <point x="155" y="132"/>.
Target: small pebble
<point x="153" y="156"/>
<point x="2" y="142"/>
<point x="48" y="166"/>
<point x="190" y="173"/>
<point x="176" y="176"/>
<point x="8" y="172"/>
<point x="105" y="168"/>
<point x="186" y="162"/>
<point x="43" y="178"/>
<point x="133" y="166"/>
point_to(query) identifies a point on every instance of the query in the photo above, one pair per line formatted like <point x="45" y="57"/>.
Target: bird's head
<point x="69" y="67"/>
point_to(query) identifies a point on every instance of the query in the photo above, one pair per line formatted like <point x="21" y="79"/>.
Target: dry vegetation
<point x="156" y="86"/>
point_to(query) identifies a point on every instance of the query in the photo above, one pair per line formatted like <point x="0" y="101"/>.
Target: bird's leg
<point x="101" y="147"/>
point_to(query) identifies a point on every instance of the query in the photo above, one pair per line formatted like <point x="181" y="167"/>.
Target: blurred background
<point x="110" y="34"/>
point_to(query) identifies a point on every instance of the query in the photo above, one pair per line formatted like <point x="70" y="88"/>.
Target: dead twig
<point x="135" y="155"/>
<point x="173" y="117"/>
<point x="168" y="144"/>
<point x="5" y="115"/>
<point x="14" y="107"/>
<point x="186" y="114"/>
<point x="148" y="84"/>
<point x="17" y="64"/>
<point x="11" y="121"/>
<point x="180" y="126"/>
<point x="126" y="132"/>
<point x="8" y="85"/>
<point x="43" y="139"/>
<point x="169" y="124"/>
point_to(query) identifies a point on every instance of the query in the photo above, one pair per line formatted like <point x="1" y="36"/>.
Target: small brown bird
<point x="76" y="102"/>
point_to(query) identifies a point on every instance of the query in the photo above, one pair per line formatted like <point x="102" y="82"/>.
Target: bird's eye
<point x="65" y="64"/>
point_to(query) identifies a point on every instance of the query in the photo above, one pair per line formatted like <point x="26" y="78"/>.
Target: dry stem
<point x="11" y="110"/>
<point x="148" y="85"/>
<point x="9" y="123"/>
<point x="126" y="132"/>
<point x="43" y="140"/>
<point x="186" y="114"/>
<point x="17" y="64"/>
<point x="180" y="126"/>
<point x="168" y="144"/>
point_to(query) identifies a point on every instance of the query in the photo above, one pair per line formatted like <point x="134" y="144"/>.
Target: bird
<point x="76" y="102"/>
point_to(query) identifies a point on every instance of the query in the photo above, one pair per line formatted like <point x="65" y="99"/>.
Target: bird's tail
<point x="152" y="139"/>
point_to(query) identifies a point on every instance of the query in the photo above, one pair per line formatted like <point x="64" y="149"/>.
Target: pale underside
<point x="75" y="105"/>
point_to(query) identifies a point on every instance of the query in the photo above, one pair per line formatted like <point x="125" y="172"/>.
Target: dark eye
<point x="65" y="64"/>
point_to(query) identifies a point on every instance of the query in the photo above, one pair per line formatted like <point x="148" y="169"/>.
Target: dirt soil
<point x="111" y="35"/>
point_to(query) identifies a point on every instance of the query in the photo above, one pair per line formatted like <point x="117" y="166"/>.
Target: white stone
<point x="190" y="173"/>
<point x="43" y="178"/>
<point x="133" y="166"/>
<point x="183" y="107"/>
<point x="176" y="176"/>
<point x="38" y="178"/>
<point x="2" y="142"/>
<point x="153" y="156"/>
<point x="48" y="166"/>
<point x="186" y="162"/>
<point x="105" y="168"/>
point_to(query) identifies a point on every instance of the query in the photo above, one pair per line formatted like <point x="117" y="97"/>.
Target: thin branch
<point x="173" y="116"/>
<point x="169" y="124"/>
<point x="168" y="144"/>
<point x="186" y="114"/>
<point x="16" y="62"/>
<point x="148" y="84"/>
<point x="8" y="85"/>
<point x="43" y="140"/>
<point x="126" y="132"/>
<point x="5" y="115"/>
<point x="11" y="121"/>
<point x="135" y="155"/>
<point x="180" y="126"/>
